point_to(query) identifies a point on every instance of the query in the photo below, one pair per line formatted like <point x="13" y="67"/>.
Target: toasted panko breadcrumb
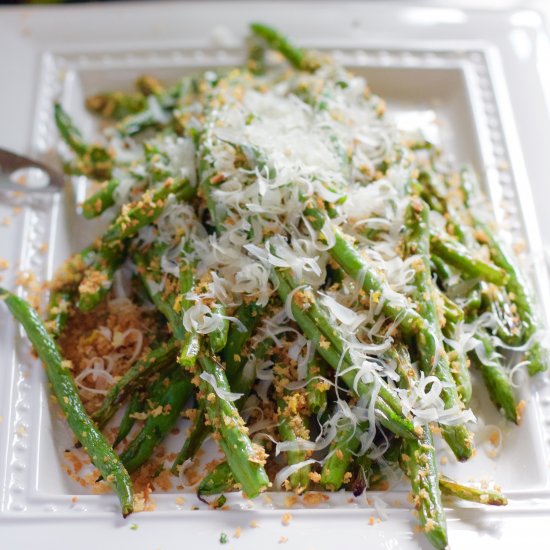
<point x="106" y="336"/>
<point x="314" y="498"/>
<point x="286" y="519"/>
<point x="143" y="501"/>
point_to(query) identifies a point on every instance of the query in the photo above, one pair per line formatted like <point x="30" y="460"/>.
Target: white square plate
<point x="471" y="78"/>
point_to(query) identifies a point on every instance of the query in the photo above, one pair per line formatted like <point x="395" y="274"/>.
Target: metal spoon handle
<point x="10" y="162"/>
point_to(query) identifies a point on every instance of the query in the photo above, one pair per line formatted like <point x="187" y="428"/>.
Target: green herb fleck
<point x="134" y="527"/>
<point x="221" y="501"/>
<point x="223" y="539"/>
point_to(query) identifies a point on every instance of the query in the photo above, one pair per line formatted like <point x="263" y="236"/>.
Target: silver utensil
<point x="23" y="174"/>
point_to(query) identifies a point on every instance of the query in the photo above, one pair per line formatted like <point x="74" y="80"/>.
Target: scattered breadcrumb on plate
<point x="286" y="519"/>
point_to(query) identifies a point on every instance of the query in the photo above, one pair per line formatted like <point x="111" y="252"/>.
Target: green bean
<point x="419" y="462"/>
<point x="192" y="341"/>
<point x="135" y="123"/>
<point x="207" y="172"/>
<point x="69" y="132"/>
<point x="115" y="105"/>
<point x="316" y="392"/>
<point x="458" y="360"/>
<point x="190" y="349"/>
<point x="287" y="428"/>
<point x="187" y="279"/>
<point x="149" y="85"/>
<point x="58" y="310"/>
<point x="460" y="371"/>
<point x="158" y="426"/>
<point x="468" y="186"/>
<point x="133" y="378"/>
<point x="69" y="275"/>
<point x="509" y="326"/>
<point x="244" y="458"/>
<point x="149" y="271"/>
<point x="441" y="269"/>
<point x="335" y="276"/>
<point x="135" y="405"/>
<point x="496" y="378"/>
<point x="63" y="386"/>
<point x="341" y="452"/>
<point x="482" y="496"/>
<point x="517" y="291"/>
<point x="465" y="235"/>
<point x="297" y="57"/>
<point x="249" y="314"/>
<point x="449" y="487"/>
<point x="458" y="256"/>
<point x="241" y="383"/>
<point x="92" y="160"/>
<point x="102" y="199"/>
<point x="248" y="156"/>
<point x="218" y="337"/>
<point x="430" y="342"/>
<point x="198" y="433"/>
<point x="452" y="312"/>
<point x="143" y="212"/>
<point x="472" y="304"/>
<point x="432" y="193"/>
<point x="292" y="424"/>
<point x="219" y="480"/>
<point x="97" y="280"/>
<point x="363" y="467"/>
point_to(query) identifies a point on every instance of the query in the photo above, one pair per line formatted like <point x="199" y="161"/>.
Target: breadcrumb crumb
<point x="520" y="408"/>
<point x="286" y="519"/>
<point x="314" y="476"/>
<point x="313" y="498"/>
<point x="290" y="500"/>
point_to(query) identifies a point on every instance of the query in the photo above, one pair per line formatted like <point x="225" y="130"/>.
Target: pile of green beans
<point x="461" y="272"/>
